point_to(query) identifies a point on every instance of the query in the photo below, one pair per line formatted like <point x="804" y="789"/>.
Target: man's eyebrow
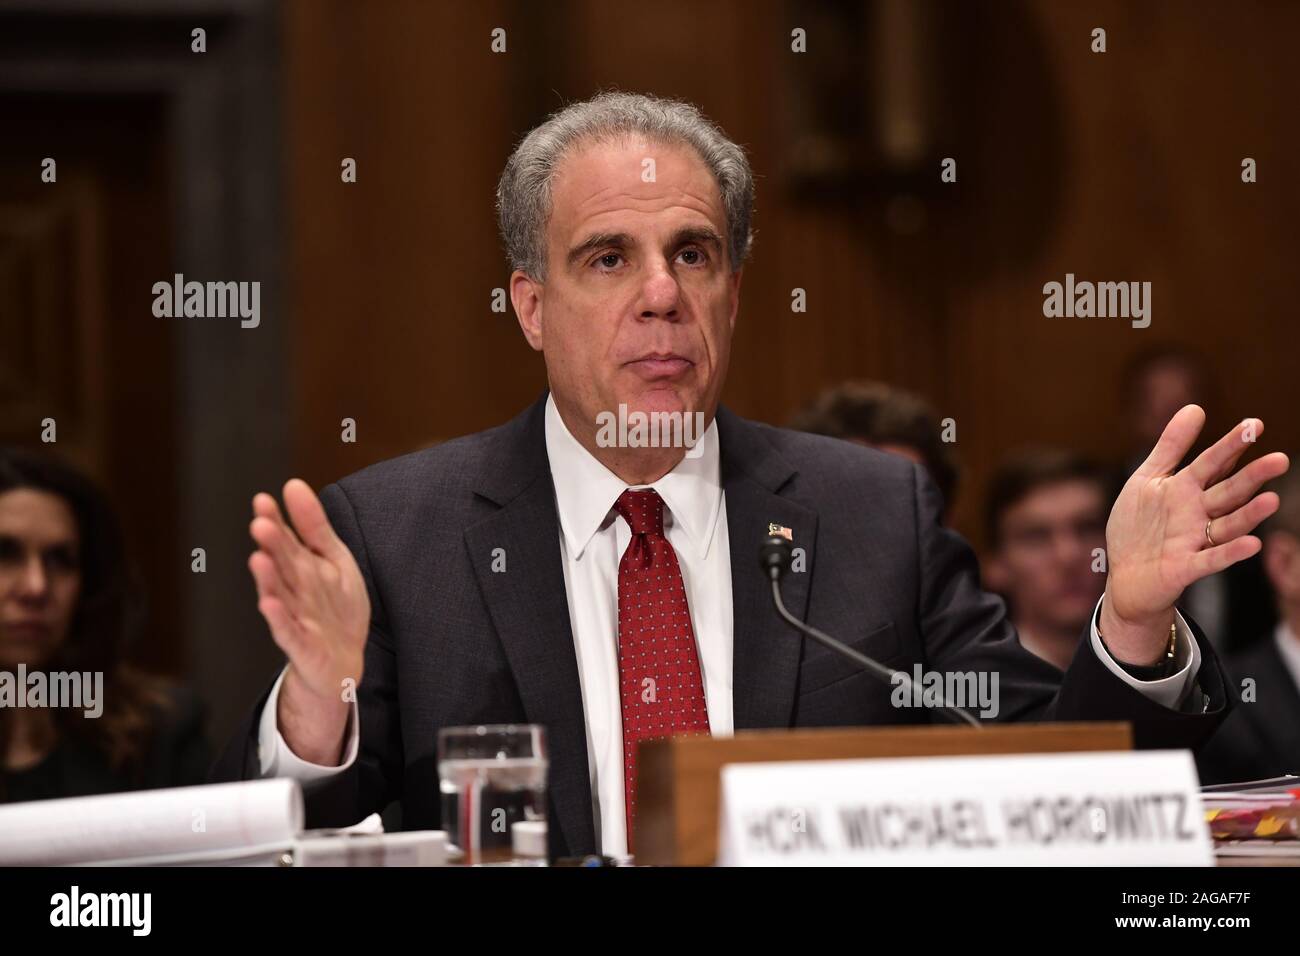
<point x="700" y="234"/>
<point x="618" y="240"/>
<point x="621" y="240"/>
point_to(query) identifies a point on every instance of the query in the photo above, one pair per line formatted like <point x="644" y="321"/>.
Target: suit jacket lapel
<point x="529" y="607"/>
<point x="766" y="651"/>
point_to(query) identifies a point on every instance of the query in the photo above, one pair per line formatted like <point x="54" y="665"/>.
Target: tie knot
<point x="643" y="510"/>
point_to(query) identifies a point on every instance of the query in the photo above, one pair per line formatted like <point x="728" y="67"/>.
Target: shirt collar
<point x="585" y="490"/>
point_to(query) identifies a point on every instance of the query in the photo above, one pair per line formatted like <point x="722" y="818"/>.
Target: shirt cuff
<point x="277" y="760"/>
<point x="1167" y="691"/>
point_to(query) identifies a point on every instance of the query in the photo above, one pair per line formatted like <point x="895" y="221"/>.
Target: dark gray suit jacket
<point x="453" y="643"/>
<point x="1260" y="738"/>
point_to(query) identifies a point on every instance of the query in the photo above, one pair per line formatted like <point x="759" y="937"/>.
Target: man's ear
<point x="735" y="296"/>
<point x="526" y="296"/>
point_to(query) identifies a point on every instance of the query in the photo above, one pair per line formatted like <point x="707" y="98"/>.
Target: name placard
<point x="1076" y="809"/>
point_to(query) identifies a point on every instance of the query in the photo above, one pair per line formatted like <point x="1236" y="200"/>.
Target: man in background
<point x="1235" y="606"/>
<point x="1046" y="531"/>
<point x="890" y="419"/>
<point x="1261" y="737"/>
<point x="1156" y="383"/>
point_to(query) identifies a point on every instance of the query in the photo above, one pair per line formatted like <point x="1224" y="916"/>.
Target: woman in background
<point x="68" y="605"/>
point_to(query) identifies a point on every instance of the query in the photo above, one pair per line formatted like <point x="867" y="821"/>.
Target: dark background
<point x="1122" y="166"/>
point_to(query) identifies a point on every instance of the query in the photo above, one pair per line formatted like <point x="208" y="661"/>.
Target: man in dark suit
<point x="629" y="603"/>
<point x="1261" y="737"/>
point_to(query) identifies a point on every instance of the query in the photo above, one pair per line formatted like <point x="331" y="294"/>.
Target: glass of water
<point x="493" y="777"/>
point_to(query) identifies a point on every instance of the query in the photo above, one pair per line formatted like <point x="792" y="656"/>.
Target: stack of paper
<point x="1256" y="818"/>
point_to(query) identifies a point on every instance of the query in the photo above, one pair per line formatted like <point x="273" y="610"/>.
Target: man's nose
<point x="660" y="295"/>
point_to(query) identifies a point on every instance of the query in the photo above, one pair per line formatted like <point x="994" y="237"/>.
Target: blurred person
<point x="632" y="562"/>
<point x="1235" y="606"/>
<point x="1261" y="738"/>
<point x="69" y="610"/>
<point x="891" y="419"/>
<point x="1156" y="383"/>
<point x="1045" y="525"/>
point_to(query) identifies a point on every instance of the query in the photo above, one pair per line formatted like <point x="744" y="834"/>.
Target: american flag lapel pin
<point x="782" y="530"/>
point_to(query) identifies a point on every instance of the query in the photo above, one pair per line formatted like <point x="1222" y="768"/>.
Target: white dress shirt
<point x="1288" y="646"/>
<point x="593" y="538"/>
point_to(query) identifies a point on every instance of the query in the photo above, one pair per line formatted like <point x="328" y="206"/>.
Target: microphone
<point x="774" y="558"/>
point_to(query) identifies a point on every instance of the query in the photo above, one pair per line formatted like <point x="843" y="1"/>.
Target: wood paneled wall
<point x="1116" y="166"/>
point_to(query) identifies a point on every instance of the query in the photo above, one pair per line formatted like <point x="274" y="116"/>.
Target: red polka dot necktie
<point x="660" y="682"/>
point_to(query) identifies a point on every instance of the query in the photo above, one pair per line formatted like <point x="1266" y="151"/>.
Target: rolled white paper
<point x="148" y="823"/>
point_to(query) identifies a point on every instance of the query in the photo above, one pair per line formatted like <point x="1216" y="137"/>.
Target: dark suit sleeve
<point x="1233" y="754"/>
<point x="374" y="778"/>
<point x="966" y="629"/>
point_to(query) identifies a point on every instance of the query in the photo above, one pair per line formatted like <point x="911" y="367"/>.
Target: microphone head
<point x="775" y="555"/>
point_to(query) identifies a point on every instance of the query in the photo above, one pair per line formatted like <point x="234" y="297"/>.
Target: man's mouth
<point x="660" y="365"/>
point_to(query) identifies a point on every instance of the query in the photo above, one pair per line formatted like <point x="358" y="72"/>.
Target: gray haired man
<point x="631" y="604"/>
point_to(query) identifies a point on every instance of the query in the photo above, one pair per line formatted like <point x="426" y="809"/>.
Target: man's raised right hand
<point x="312" y="595"/>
